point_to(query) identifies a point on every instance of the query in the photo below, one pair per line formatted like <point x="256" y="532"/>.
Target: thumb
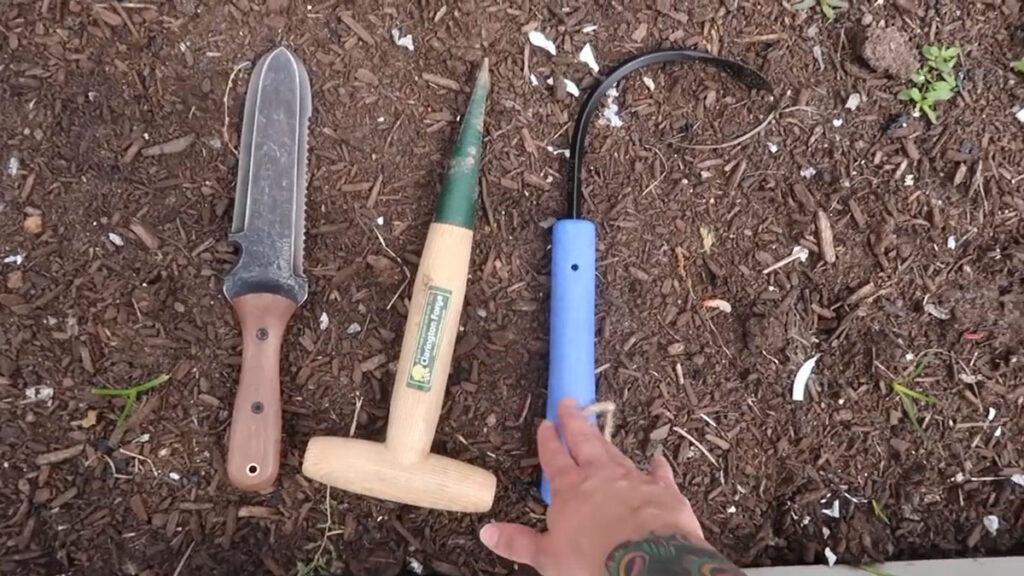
<point x="514" y="542"/>
<point x="661" y="471"/>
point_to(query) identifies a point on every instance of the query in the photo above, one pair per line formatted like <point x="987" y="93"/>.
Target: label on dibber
<point x="428" y="338"/>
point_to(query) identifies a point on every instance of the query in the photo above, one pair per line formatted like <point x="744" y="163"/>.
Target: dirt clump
<point x="889" y="50"/>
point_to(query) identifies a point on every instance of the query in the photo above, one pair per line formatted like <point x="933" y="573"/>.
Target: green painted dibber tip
<point x="457" y="205"/>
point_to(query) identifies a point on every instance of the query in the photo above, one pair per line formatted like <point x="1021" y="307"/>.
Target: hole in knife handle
<point x="257" y="407"/>
<point x="575" y="267"/>
<point x="252" y="469"/>
<point x="262" y="334"/>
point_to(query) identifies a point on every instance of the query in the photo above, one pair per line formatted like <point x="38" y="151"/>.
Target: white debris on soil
<point x="414" y="565"/>
<point x="538" y="39"/>
<point x="991" y="524"/>
<point x="38" y="394"/>
<point x="799" y="253"/>
<point x="589" y="29"/>
<point x="834" y="510"/>
<point x="825" y="532"/>
<point x="853" y="102"/>
<point x="402" y="41"/>
<point x="610" y="114"/>
<point x="773" y="147"/>
<point x="831" y="557"/>
<point x="1020" y="115"/>
<point x="998" y="432"/>
<point x="932" y="309"/>
<point x="951" y="242"/>
<point x="717" y="303"/>
<point x="730" y="510"/>
<point x="15" y="259"/>
<point x="533" y="79"/>
<point x="808" y="172"/>
<point x="353" y="328"/>
<point x="558" y="151"/>
<point x="380" y="220"/>
<point x="837" y="122"/>
<point x="708" y="419"/>
<point x="991" y="414"/>
<point x="587" y="57"/>
<point x="174" y="476"/>
<point x="481" y="312"/>
<point x="13" y="165"/>
<point x="1018" y="479"/>
<point x="800" y="383"/>
<point x="818" y="56"/>
<point x="649" y="83"/>
<point x="324" y="321"/>
<point x="908" y="180"/>
<point x="115" y="239"/>
<point x="571" y="87"/>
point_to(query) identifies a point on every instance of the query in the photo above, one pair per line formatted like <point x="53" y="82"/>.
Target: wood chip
<point x="356" y="28"/>
<point x="442" y="82"/>
<point x="170" y="147"/>
<point x="257" y="512"/>
<point x="139" y="508"/>
<point x="64" y="498"/>
<point x="825" y="239"/>
<point x="58" y="456"/>
<point x="145" y="234"/>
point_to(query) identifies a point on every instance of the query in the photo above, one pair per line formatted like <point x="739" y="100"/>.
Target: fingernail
<point x="570" y="402"/>
<point x="489" y="535"/>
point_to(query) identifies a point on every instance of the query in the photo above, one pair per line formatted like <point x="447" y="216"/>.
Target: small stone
<point x="277" y="5"/>
<point x="15" y="280"/>
<point x="33" y="225"/>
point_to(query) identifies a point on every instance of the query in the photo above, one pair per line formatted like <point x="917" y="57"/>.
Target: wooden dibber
<point x="402" y="469"/>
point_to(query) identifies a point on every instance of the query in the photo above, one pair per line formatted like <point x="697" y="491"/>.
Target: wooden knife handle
<point x="254" y="440"/>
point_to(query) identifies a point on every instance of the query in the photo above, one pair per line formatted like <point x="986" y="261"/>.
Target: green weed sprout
<point x="879" y="512"/>
<point x="130" y="395"/>
<point x="934" y="82"/>
<point x="828" y="7"/>
<point x="876" y="571"/>
<point x="910" y="397"/>
<point x="1018" y="65"/>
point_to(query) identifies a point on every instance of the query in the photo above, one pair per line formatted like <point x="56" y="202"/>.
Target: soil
<point x="113" y="259"/>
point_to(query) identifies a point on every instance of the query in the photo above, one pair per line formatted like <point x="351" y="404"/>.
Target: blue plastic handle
<point x="573" y="287"/>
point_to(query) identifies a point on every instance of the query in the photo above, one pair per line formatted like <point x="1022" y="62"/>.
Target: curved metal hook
<point x="745" y="74"/>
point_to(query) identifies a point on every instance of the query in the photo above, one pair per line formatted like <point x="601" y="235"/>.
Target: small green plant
<point x="828" y="7"/>
<point x="934" y="82"/>
<point x="879" y="512"/>
<point x="130" y="395"/>
<point x="315" y="567"/>
<point x="1018" y="65"/>
<point x="910" y="397"/>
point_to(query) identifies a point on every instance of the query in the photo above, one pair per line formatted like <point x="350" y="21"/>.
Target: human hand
<point x="606" y="516"/>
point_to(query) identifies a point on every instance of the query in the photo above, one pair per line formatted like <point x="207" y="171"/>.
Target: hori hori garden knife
<point x="267" y="284"/>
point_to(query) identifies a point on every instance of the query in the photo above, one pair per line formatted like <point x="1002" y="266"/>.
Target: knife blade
<point x="267" y="283"/>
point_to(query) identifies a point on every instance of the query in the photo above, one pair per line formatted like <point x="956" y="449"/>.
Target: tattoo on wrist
<point x="667" y="556"/>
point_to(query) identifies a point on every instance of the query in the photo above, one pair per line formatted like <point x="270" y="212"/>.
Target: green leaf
<point x="950" y="52"/>
<point x="902" y="390"/>
<point x="939" y="92"/>
<point x="827" y="10"/>
<point x="909" y="94"/>
<point x="942" y="66"/>
<point x="948" y="77"/>
<point x="917" y="77"/>
<point x="838" y="3"/>
<point x="801" y="4"/>
<point x="930" y="52"/>
<point x="1018" y="65"/>
<point x="879" y="512"/>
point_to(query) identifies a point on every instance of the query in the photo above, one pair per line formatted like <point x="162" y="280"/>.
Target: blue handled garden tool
<point x="574" y="249"/>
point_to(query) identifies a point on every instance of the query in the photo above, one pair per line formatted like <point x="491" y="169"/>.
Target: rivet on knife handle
<point x="267" y="284"/>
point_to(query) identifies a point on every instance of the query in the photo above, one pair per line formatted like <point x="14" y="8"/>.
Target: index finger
<point x="554" y="458"/>
<point x="585" y="443"/>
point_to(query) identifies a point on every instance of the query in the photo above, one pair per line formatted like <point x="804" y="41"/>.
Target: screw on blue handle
<point x="573" y="287"/>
